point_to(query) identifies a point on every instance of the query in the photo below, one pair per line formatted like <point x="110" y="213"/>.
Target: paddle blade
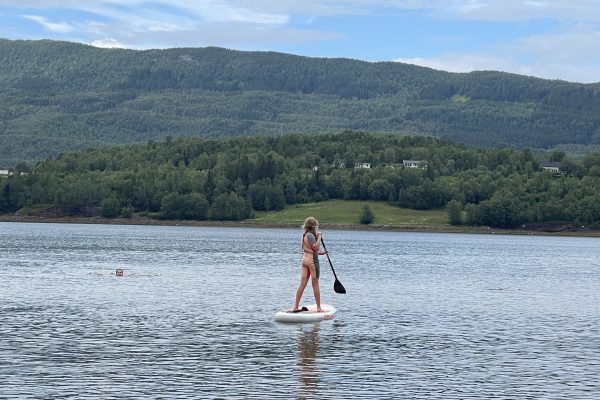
<point x="338" y="287"/>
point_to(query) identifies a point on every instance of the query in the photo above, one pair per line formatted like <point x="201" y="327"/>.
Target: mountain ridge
<point x="61" y="96"/>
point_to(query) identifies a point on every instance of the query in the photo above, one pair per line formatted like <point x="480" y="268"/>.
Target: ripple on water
<point x="426" y="316"/>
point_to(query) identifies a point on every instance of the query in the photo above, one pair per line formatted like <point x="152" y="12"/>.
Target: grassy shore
<point x="348" y="212"/>
<point x="333" y="214"/>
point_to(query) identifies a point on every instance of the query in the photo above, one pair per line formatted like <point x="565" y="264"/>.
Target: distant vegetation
<point x="233" y="179"/>
<point x="348" y="212"/>
<point x="366" y="215"/>
<point x="59" y="96"/>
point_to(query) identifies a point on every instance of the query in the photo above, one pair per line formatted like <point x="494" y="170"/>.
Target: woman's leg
<point x="317" y="292"/>
<point x="301" y="287"/>
<point x="299" y="292"/>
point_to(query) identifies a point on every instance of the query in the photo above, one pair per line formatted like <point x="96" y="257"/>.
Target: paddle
<point x="337" y="285"/>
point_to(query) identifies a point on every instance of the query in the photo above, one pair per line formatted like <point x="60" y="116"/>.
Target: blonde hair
<point x="310" y="223"/>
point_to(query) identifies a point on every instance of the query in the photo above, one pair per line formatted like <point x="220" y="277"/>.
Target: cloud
<point x="572" y="55"/>
<point x="272" y="11"/>
<point x="181" y="24"/>
<point x="572" y="44"/>
<point x="108" y="44"/>
<point x="137" y="24"/>
<point x="158" y="24"/>
<point x="222" y="12"/>
<point x="240" y="36"/>
<point x="586" y="10"/>
<point x="171" y="15"/>
<point x="507" y="10"/>
<point x="57" y="27"/>
<point x="460" y="62"/>
<point x="567" y="52"/>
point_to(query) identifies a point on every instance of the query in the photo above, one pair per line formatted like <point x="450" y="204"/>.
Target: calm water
<point x="427" y="316"/>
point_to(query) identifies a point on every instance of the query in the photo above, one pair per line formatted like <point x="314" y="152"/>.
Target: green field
<point x="348" y="212"/>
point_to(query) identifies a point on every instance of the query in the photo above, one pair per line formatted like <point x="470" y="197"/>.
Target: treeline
<point x="229" y="179"/>
<point x="60" y="96"/>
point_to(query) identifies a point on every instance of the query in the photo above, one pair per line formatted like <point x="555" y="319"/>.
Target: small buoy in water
<point x="119" y="272"/>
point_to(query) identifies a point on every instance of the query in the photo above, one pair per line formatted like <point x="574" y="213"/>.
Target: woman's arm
<point x="321" y="253"/>
<point x="317" y="245"/>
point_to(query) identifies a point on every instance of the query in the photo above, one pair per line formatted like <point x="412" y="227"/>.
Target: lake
<point x="426" y="316"/>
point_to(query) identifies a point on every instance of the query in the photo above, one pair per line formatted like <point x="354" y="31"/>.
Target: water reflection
<point x="308" y="347"/>
<point x="434" y="325"/>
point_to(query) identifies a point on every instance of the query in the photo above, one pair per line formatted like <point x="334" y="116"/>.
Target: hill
<point x="60" y="96"/>
<point x="246" y="177"/>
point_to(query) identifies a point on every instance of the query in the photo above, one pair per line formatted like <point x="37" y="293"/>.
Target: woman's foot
<point x="297" y="310"/>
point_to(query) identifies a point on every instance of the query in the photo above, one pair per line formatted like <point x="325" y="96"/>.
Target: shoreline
<point x="578" y="232"/>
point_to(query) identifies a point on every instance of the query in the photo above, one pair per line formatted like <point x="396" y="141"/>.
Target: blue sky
<point x="544" y="38"/>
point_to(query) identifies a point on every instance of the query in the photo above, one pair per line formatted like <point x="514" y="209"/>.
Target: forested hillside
<point x="59" y="96"/>
<point x="229" y="179"/>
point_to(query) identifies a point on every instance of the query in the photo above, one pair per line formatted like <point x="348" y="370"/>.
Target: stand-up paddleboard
<point x="307" y="316"/>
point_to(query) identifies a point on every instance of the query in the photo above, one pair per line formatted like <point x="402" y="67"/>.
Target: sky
<point x="549" y="39"/>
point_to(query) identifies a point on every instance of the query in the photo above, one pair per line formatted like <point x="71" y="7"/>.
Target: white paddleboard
<point x="307" y="316"/>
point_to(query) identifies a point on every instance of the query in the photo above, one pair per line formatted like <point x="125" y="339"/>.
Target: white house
<point x="364" y="165"/>
<point x="553" y="167"/>
<point x="6" y="172"/>
<point x="414" y="164"/>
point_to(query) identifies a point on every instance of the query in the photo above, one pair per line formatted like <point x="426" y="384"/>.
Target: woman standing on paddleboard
<point x="311" y="242"/>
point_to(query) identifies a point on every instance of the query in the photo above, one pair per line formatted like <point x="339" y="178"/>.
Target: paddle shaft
<point x="328" y="259"/>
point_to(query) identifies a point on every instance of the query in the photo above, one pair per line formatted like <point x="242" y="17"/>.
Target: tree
<point x="380" y="189"/>
<point x="557" y="155"/>
<point x="473" y="214"/>
<point x="591" y="160"/>
<point x="229" y="206"/>
<point x="196" y="206"/>
<point x="454" y="208"/>
<point x="498" y="187"/>
<point x="184" y="206"/>
<point x="110" y="207"/>
<point x="290" y="192"/>
<point x="265" y="196"/>
<point x="366" y="215"/>
<point x="22" y="167"/>
<point x="503" y="210"/>
<point x="431" y="194"/>
<point x="572" y="167"/>
<point x="127" y="212"/>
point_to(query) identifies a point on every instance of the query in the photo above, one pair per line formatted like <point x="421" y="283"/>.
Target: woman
<point x="311" y="242"/>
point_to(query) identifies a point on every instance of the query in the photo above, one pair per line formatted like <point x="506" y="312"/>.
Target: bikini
<point x="310" y="258"/>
